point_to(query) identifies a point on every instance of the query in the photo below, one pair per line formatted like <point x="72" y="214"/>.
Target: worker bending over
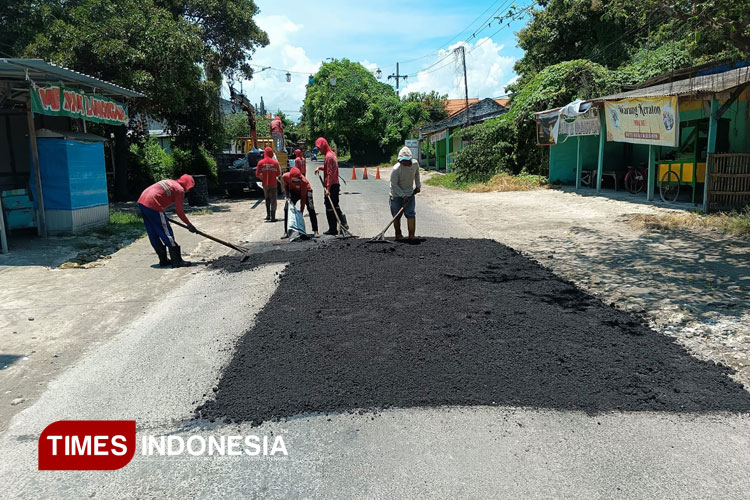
<point x="298" y="188"/>
<point x="300" y="161"/>
<point x="268" y="171"/>
<point x="404" y="177"/>
<point x="330" y="170"/>
<point x="152" y="203"/>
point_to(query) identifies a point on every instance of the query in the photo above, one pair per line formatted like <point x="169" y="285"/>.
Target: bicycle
<point x="636" y="178"/>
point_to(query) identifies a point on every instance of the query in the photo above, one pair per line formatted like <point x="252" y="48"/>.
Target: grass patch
<point x="123" y="229"/>
<point x="499" y="182"/>
<point x="201" y="211"/>
<point x="737" y="223"/>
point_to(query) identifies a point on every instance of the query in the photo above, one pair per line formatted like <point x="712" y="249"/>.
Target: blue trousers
<point x="157" y="227"/>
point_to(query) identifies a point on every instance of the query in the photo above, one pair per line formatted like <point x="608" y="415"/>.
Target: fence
<point x="727" y="182"/>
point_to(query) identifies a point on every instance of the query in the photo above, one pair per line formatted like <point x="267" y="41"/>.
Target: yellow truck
<point x="266" y="142"/>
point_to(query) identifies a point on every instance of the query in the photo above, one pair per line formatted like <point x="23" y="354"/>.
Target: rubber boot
<point x="412" y="225"/>
<point x="175" y="254"/>
<point x="268" y="211"/>
<point x="397" y="227"/>
<point x="332" y="224"/>
<point x="343" y="221"/>
<point x="163" y="259"/>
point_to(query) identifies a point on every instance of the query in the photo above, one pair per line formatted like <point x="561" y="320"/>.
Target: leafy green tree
<point x="433" y="104"/>
<point x="508" y="143"/>
<point x="174" y="51"/>
<point x="727" y="20"/>
<point x="358" y="113"/>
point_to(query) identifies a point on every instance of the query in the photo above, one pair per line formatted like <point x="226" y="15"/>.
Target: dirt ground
<point x="48" y="315"/>
<point x="693" y="286"/>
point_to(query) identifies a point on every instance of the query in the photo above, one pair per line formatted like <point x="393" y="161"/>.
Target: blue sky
<point x="380" y="33"/>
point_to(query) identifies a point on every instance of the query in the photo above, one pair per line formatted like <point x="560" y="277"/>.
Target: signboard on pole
<point x="413" y="144"/>
<point x="646" y="120"/>
<point x="56" y="100"/>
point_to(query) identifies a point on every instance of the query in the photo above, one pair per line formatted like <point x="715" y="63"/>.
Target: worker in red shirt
<point x="277" y="133"/>
<point x="152" y="203"/>
<point x="297" y="187"/>
<point x="268" y="171"/>
<point x="330" y="170"/>
<point x="300" y="161"/>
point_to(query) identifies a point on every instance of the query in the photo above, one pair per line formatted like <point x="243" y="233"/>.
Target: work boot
<point x="332" y="224"/>
<point x="175" y="254"/>
<point x="412" y="225"/>
<point x="163" y="259"/>
<point x="268" y="211"/>
<point x="397" y="227"/>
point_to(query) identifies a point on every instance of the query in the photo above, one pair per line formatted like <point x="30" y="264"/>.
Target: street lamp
<point x="378" y="74"/>
<point x="288" y="77"/>
<point x="333" y="81"/>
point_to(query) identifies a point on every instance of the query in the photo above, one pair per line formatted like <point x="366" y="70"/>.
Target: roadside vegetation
<point x="498" y="182"/>
<point x="735" y="223"/>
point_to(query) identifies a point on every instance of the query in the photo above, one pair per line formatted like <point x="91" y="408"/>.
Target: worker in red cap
<point x="297" y="187"/>
<point x="268" y="171"/>
<point x="330" y="170"/>
<point x="300" y="161"/>
<point x="152" y="203"/>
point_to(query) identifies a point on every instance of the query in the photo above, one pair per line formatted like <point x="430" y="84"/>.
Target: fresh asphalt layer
<point x="166" y="363"/>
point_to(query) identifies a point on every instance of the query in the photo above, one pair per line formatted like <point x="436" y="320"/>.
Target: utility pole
<point x="398" y="76"/>
<point x="462" y="51"/>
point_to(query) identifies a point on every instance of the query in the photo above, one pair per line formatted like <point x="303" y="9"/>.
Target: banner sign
<point x="440" y="136"/>
<point x="56" y="100"/>
<point x="586" y="123"/>
<point x="646" y="120"/>
<point x="544" y="126"/>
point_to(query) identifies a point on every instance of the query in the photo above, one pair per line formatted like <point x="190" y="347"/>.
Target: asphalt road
<point x="160" y="367"/>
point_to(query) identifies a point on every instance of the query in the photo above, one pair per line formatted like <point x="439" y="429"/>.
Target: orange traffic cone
<point x="377" y="173"/>
<point x="364" y="176"/>
<point x="354" y="173"/>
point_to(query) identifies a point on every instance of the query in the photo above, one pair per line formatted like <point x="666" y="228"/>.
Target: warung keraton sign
<point x="646" y="120"/>
<point x="56" y="100"/>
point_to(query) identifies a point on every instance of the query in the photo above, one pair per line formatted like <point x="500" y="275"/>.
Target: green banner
<point x="56" y="100"/>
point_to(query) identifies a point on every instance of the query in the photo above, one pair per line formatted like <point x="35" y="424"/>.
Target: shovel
<point x="243" y="251"/>
<point x="344" y="232"/>
<point x="380" y="238"/>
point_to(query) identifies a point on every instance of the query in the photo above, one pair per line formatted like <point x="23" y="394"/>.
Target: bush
<point x="508" y="144"/>
<point x="195" y="162"/>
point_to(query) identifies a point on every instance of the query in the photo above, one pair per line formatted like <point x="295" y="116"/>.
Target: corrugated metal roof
<point x="706" y="84"/>
<point x="41" y="71"/>
<point x="478" y="112"/>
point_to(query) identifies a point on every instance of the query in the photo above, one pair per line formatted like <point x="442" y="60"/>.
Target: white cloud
<point x="280" y="53"/>
<point x="488" y="72"/>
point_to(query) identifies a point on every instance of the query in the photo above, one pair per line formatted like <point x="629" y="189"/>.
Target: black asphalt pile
<point x="449" y="322"/>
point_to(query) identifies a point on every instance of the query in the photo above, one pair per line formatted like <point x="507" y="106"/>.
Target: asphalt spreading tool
<point x="380" y="238"/>
<point x="343" y="232"/>
<point x="244" y="251"/>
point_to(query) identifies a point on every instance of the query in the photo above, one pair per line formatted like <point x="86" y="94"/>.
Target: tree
<point x="174" y="51"/>
<point x="727" y="20"/>
<point x="358" y="113"/>
<point x="433" y="104"/>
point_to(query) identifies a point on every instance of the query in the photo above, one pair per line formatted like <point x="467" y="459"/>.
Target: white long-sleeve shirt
<point x="403" y="179"/>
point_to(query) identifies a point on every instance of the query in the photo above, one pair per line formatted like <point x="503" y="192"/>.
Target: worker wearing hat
<point x="152" y="203"/>
<point x="405" y="183"/>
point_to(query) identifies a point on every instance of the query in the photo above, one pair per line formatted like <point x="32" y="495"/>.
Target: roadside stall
<point x="664" y="137"/>
<point x="52" y="172"/>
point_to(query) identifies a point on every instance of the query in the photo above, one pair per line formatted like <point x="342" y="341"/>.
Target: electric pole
<point x="462" y="51"/>
<point x="398" y="76"/>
